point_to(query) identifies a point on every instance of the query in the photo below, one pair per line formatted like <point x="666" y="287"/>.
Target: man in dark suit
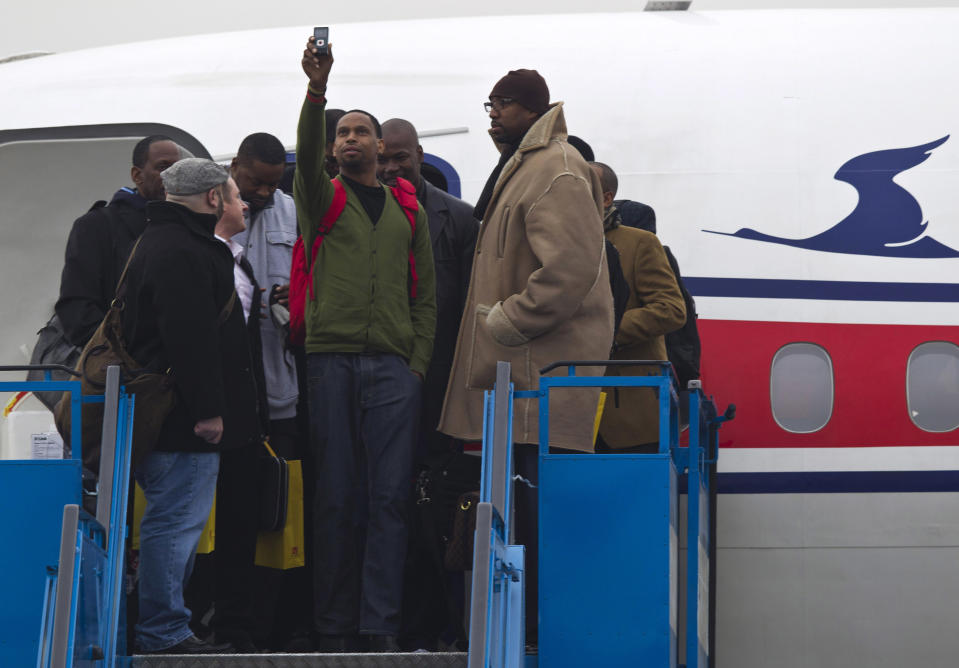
<point x="453" y="232"/>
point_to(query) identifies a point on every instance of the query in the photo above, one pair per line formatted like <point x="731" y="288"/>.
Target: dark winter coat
<point x="636" y="214"/>
<point x="179" y="281"/>
<point x="97" y="249"/>
<point x="453" y="232"/>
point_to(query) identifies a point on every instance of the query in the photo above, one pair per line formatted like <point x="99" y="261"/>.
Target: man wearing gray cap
<point x="181" y="314"/>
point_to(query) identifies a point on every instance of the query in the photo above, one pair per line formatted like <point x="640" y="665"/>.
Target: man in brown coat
<point x="539" y="290"/>
<point x="654" y="309"/>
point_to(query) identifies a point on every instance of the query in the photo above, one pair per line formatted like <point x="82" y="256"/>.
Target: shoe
<point x="382" y="644"/>
<point x="194" y="645"/>
<point x="242" y="644"/>
<point x="298" y="644"/>
<point x="335" y="644"/>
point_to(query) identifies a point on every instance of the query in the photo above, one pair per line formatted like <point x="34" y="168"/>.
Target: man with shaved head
<point x="453" y="231"/>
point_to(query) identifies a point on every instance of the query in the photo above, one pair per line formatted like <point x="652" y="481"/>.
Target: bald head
<point x="402" y="154"/>
<point x="608" y="181"/>
<point x="401" y="127"/>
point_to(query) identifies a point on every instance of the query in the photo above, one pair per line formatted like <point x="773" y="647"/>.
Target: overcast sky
<point x="64" y="26"/>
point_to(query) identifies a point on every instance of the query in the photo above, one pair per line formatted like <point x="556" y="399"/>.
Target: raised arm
<point x="312" y="190"/>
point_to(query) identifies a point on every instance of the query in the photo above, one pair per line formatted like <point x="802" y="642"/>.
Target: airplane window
<point x="932" y="386"/>
<point x="801" y="387"/>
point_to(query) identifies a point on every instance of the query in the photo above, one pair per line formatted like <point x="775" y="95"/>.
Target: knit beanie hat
<point x="193" y="175"/>
<point x="526" y="87"/>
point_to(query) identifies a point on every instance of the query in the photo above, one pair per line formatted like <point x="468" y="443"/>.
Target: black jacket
<point x="179" y="281"/>
<point x="254" y="337"/>
<point x="97" y="250"/>
<point x="453" y="232"/>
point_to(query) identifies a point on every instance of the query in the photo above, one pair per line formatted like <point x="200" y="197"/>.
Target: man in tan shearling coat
<point x="539" y="291"/>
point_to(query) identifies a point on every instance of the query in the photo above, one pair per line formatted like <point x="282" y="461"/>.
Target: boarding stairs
<point x="610" y="562"/>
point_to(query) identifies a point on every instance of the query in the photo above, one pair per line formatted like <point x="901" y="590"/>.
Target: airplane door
<point x="48" y="178"/>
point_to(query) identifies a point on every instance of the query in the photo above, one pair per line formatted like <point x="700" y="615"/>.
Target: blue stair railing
<point x="609" y="536"/>
<point x="496" y="637"/>
<point x="69" y="583"/>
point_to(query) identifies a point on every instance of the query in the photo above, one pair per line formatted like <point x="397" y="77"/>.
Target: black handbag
<point x="52" y="347"/>
<point x="274" y="490"/>
<point x="459" y="550"/>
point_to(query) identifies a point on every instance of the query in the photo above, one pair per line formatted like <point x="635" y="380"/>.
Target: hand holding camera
<point x="318" y="59"/>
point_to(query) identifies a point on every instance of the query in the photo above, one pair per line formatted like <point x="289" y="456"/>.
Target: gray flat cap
<point x="193" y="175"/>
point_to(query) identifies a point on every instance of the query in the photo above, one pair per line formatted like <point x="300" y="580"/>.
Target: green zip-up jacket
<point x="361" y="278"/>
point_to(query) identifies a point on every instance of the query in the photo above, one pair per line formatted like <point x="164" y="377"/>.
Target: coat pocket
<point x="279" y="256"/>
<point x="486" y="352"/>
<point x="502" y="231"/>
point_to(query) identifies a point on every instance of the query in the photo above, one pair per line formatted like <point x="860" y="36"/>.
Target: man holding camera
<point x="369" y="335"/>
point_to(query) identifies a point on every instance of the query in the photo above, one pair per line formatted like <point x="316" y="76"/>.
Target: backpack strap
<point x="405" y="195"/>
<point x="326" y="224"/>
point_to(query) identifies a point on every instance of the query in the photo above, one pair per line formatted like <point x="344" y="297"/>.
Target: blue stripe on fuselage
<point x="834" y="482"/>
<point x="763" y="288"/>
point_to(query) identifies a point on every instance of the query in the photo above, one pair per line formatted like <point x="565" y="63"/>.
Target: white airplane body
<point x="802" y="171"/>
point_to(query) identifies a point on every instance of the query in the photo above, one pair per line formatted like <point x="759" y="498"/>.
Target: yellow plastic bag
<point x="285" y="549"/>
<point x="599" y="415"/>
<point x="207" y="538"/>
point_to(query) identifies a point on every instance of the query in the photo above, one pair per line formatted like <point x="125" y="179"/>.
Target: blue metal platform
<point x="609" y="544"/>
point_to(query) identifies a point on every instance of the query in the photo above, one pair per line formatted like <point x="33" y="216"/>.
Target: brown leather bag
<point x="154" y="392"/>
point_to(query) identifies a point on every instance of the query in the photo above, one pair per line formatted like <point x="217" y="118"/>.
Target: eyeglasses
<point x="497" y="103"/>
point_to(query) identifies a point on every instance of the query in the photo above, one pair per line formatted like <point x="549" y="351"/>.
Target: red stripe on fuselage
<point x="869" y="369"/>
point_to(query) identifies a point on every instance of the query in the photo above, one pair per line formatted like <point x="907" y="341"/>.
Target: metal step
<point x="406" y="660"/>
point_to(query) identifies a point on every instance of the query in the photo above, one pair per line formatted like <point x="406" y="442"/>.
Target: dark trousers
<point x="433" y="596"/>
<point x="526" y="525"/>
<point x="364" y="410"/>
<point x="237" y="510"/>
<point x="283" y="599"/>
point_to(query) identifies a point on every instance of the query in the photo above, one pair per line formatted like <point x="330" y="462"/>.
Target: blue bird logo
<point x="887" y="220"/>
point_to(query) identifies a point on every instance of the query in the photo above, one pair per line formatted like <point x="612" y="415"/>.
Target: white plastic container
<point x="28" y="432"/>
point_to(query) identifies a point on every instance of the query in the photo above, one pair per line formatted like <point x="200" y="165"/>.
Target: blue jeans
<point x="364" y="412"/>
<point x="179" y="489"/>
